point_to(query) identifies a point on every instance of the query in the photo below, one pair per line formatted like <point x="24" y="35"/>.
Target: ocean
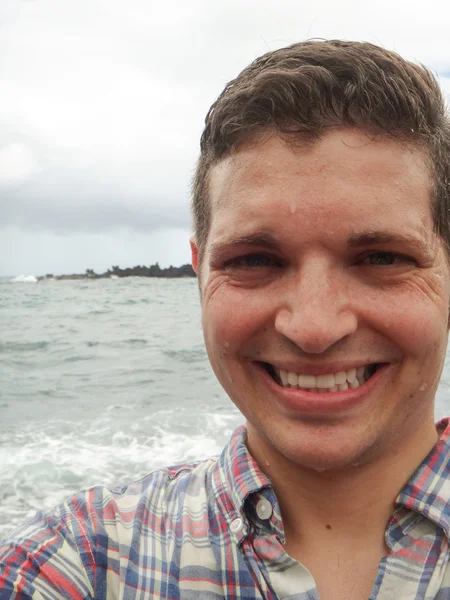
<point x="102" y="381"/>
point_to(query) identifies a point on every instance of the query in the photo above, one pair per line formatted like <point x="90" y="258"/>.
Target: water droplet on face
<point x="293" y="208"/>
<point x="423" y="387"/>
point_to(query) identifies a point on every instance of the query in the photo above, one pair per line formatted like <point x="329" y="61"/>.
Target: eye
<point x="383" y="259"/>
<point x="252" y="261"/>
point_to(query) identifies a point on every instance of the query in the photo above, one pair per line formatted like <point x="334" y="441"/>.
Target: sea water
<point x="102" y="381"/>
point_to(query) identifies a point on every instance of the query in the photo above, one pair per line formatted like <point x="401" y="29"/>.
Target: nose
<point x="317" y="310"/>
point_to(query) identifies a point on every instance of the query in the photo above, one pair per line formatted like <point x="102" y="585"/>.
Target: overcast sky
<point x="102" y="105"/>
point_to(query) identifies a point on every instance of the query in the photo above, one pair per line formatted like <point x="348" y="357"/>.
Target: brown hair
<point x="300" y="91"/>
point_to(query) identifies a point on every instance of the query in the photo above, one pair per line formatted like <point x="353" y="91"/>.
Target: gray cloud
<point x="102" y="106"/>
<point x="84" y="200"/>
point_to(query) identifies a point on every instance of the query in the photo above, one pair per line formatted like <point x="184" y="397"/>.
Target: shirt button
<point x="264" y="509"/>
<point x="236" y="525"/>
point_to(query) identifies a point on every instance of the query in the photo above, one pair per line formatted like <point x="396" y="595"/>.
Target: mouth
<point x="330" y="382"/>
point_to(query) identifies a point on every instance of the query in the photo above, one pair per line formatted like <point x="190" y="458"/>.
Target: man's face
<point x="320" y="261"/>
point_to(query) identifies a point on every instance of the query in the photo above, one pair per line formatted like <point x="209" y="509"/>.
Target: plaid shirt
<point x="213" y="530"/>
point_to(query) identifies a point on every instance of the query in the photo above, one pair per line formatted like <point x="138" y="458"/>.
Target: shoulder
<point x="96" y="508"/>
<point x="101" y="526"/>
<point x="158" y="495"/>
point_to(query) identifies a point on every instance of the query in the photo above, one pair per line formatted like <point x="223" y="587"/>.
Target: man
<point x="322" y="238"/>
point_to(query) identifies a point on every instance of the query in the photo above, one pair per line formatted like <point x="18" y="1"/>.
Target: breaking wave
<point x="24" y="279"/>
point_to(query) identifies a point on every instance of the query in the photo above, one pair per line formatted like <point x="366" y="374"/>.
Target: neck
<point x="336" y="503"/>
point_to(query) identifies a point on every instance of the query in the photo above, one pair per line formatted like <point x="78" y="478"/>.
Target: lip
<point x="307" y="403"/>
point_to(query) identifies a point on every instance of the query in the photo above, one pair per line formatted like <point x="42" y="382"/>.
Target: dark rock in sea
<point x="139" y="271"/>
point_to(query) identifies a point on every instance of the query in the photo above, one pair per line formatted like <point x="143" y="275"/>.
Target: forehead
<point x="345" y="176"/>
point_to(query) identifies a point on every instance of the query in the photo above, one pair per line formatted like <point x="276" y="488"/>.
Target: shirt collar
<point x="239" y="473"/>
<point x="428" y="489"/>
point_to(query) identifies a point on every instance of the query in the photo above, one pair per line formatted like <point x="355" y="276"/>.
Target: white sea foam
<point x="41" y="468"/>
<point x="24" y="279"/>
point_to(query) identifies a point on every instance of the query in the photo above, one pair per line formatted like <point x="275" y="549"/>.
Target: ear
<point x="194" y="254"/>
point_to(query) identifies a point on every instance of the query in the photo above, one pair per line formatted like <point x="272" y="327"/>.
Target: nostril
<point x="313" y="327"/>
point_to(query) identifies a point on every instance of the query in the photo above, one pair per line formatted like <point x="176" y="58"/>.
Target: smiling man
<point x="321" y="244"/>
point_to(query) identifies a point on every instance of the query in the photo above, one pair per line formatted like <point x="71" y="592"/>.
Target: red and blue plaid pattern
<point x="193" y="532"/>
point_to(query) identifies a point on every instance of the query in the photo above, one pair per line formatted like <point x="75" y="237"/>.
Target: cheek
<point x="418" y="326"/>
<point x="231" y="319"/>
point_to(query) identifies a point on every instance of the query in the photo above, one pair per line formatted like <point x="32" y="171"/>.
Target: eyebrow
<point x="367" y="238"/>
<point x="257" y="239"/>
<point x="357" y="240"/>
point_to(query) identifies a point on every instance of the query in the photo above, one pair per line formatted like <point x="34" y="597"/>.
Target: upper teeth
<point x="342" y="380"/>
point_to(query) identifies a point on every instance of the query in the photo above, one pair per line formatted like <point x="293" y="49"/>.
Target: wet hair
<point x="302" y="91"/>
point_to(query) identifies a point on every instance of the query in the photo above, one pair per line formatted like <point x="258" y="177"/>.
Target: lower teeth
<point x="337" y="388"/>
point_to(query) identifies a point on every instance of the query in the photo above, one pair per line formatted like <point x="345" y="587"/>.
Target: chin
<point x="323" y="460"/>
<point x="329" y="462"/>
<point x="324" y="449"/>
